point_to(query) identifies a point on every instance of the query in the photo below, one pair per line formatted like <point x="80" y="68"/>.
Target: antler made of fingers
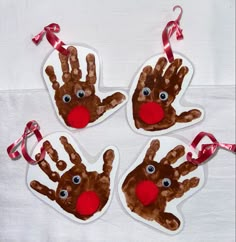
<point x="75" y="74"/>
<point x="171" y="76"/>
<point x="52" y="77"/>
<point x="185" y="168"/>
<point x="153" y="148"/>
<point x="173" y="155"/>
<point x="186" y="185"/>
<point x="108" y="158"/>
<point x="74" y="156"/>
<point x="91" y="69"/>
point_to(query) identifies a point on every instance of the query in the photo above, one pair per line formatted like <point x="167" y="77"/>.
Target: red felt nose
<point x="146" y="192"/>
<point x="87" y="203"/>
<point x="78" y="117"/>
<point x="151" y="112"/>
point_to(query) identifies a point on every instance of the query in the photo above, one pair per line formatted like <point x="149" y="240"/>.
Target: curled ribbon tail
<point x="207" y="150"/>
<point x="37" y="39"/>
<point x="32" y="127"/>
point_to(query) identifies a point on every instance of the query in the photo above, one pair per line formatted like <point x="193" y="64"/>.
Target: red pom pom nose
<point x="78" y="117"/>
<point x="146" y="192"/>
<point x="87" y="203"/>
<point x="151" y="113"/>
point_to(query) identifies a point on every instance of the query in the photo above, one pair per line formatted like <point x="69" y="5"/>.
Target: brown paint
<point x="163" y="169"/>
<point x="90" y="181"/>
<point x="157" y="80"/>
<point x="73" y="83"/>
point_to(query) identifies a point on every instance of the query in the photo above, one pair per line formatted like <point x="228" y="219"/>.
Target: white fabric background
<point x="125" y="33"/>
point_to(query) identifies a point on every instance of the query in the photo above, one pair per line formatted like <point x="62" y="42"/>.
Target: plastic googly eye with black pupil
<point x="163" y="96"/>
<point x="76" y="179"/>
<point x="166" y="182"/>
<point x="146" y="91"/>
<point x="66" y="98"/>
<point x="150" y="169"/>
<point x="80" y="93"/>
<point x="63" y="194"/>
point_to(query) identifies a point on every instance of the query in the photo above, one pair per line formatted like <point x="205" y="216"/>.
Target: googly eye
<point x="150" y="169"/>
<point x="63" y="194"/>
<point x="80" y="93"/>
<point x="66" y="98"/>
<point x="76" y="179"/>
<point x="166" y="182"/>
<point x="163" y="96"/>
<point x="146" y="91"/>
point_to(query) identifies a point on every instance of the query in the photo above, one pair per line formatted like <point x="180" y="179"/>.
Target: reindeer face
<point x="156" y="182"/>
<point x="154" y="93"/>
<point x="78" y="191"/>
<point x="148" y="187"/>
<point x="77" y="101"/>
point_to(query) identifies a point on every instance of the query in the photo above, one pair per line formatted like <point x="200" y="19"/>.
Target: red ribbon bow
<point x="166" y="34"/>
<point x="52" y="38"/>
<point x="31" y="127"/>
<point x="207" y="150"/>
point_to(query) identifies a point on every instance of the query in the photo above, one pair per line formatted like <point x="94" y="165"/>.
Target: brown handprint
<point x="155" y="92"/>
<point x="79" y="192"/>
<point x="76" y="100"/>
<point x="151" y="185"/>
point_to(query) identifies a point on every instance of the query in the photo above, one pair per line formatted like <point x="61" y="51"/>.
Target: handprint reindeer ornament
<point x="72" y="81"/>
<point x="72" y="74"/>
<point x="65" y="180"/>
<point x="158" y="181"/>
<point x="154" y="106"/>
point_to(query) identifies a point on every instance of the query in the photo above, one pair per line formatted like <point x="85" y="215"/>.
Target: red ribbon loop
<point x="207" y="150"/>
<point x="52" y="38"/>
<point x="166" y="34"/>
<point x="32" y="127"/>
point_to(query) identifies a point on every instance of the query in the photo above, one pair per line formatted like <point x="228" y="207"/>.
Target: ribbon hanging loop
<point x="171" y="27"/>
<point x="51" y="37"/>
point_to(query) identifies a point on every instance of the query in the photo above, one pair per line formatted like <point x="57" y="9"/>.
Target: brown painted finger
<point x="159" y="67"/>
<point x="52" y="77"/>
<point x="76" y="73"/>
<point x="42" y="189"/>
<point x="185" y="168"/>
<point x="188" y="116"/>
<point x="61" y="165"/>
<point x="45" y="167"/>
<point x="173" y="155"/>
<point x="91" y="69"/>
<point x="186" y="185"/>
<point x="108" y="158"/>
<point x="66" y="76"/>
<point x="74" y="156"/>
<point x="147" y="71"/>
<point x="168" y="220"/>
<point x="181" y="74"/>
<point x="153" y="148"/>
<point x="172" y="69"/>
